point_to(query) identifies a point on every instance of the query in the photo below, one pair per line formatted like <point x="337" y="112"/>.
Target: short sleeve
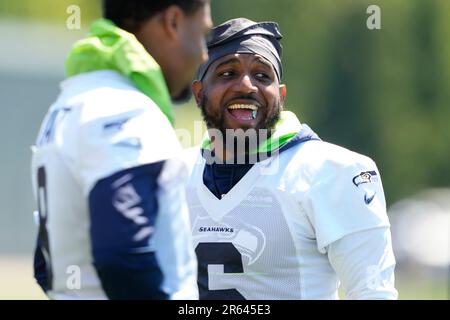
<point x="349" y="200"/>
<point x="124" y="140"/>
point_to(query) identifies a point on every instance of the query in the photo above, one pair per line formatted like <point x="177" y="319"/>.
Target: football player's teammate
<point x="287" y="217"/>
<point x="113" y="217"/>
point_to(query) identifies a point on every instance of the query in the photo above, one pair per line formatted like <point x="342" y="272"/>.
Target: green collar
<point x="285" y="129"/>
<point x="109" y="47"/>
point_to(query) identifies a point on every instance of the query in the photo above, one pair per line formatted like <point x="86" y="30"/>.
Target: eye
<point x="226" y="74"/>
<point x="262" y="76"/>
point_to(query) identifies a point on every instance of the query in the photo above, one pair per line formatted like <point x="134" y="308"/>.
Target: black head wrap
<point x="245" y="36"/>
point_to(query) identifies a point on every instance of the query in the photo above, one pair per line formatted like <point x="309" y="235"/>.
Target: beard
<point x="216" y="121"/>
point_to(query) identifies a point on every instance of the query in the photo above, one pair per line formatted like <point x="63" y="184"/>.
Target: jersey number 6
<point x="221" y="253"/>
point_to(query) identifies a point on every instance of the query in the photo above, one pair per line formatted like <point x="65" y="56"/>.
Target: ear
<point x="171" y="19"/>
<point x="283" y="91"/>
<point x="197" y="90"/>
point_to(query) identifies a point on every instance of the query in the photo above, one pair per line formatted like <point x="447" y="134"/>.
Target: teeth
<point x="244" y="106"/>
<point x="247" y="107"/>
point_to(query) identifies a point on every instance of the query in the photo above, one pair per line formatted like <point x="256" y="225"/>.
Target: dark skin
<point x="245" y="80"/>
<point x="176" y="41"/>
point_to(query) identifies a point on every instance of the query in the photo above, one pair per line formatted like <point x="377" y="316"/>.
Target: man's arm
<point x="364" y="262"/>
<point x="347" y="209"/>
<point x="124" y="210"/>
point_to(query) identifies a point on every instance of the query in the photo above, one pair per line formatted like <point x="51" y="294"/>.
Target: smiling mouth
<point x="244" y="112"/>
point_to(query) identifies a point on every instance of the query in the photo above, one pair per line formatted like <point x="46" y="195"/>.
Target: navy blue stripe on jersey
<point x="40" y="266"/>
<point x="221" y="178"/>
<point x="123" y="210"/>
<point x="43" y="272"/>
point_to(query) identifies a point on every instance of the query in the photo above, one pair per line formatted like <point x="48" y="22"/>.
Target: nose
<point x="246" y="85"/>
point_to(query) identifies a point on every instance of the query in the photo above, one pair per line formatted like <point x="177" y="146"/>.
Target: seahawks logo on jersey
<point x="365" y="177"/>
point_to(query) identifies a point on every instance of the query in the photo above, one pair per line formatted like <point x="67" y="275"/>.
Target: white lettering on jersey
<point x="126" y="201"/>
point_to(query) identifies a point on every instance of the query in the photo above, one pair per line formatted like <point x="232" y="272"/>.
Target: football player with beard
<point x="276" y="212"/>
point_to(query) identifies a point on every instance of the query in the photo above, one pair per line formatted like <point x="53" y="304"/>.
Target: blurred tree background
<point x="384" y="93"/>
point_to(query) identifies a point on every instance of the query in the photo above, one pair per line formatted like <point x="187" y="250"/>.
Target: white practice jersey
<point x="101" y="124"/>
<point x="296" y="226"/>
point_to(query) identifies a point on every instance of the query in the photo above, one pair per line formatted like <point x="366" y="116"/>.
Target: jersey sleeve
<point x="365" y="263"/>
<point x="124" y="164"/>
<point x="120" y="141"/>
<point x="123" y="210"/>
<point x="347" y="200"/>
<point x="173" y="236"/>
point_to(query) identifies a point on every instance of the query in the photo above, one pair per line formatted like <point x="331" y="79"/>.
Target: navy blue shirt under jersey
<point x="221" y="178"/>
